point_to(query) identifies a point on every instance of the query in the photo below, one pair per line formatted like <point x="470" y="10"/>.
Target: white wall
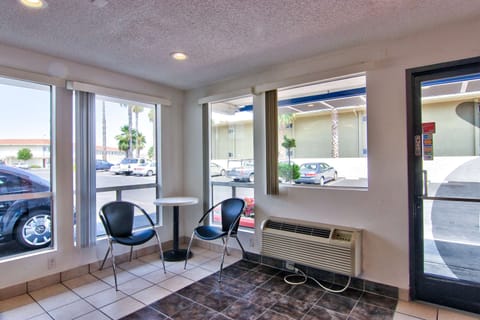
<point x="21" y="63"/>
<point x="382" y="211"/>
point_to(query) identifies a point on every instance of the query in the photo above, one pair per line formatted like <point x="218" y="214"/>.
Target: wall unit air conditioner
<point x="327" y="247"/>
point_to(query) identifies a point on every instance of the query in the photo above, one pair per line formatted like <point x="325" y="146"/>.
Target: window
<point x="231" y="155"/>
<point x="322" y="133"/>
<point x="124" y="136"/>
<point x="25" y="188"/>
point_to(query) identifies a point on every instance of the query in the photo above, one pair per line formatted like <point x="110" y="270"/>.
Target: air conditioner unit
<point x="327" y="247"/>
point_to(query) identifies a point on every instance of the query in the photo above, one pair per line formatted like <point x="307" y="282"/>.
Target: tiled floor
<point x="248" y="291"/>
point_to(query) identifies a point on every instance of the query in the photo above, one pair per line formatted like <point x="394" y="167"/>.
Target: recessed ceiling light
<point x="37" y="4"/>
<point x="310" y="105"/>
<point x="179" y="56"/>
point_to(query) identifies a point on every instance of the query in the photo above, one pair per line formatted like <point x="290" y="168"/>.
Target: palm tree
<point x="129" y="130"/>
<point x="137" y="109"/>
<point x="288" y="144"/>
<point x="128" y="136"/>
<point x="285" y="121"/>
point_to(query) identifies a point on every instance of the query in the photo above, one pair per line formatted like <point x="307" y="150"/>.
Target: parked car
<point x="317" y="173"/>
<point x="146" y="169"/>
<point x="115" y="169"/>
<point x="216" y="170"/>
<point x="102" y="165"/>
<point x="128" y="164"/>
<point x="21" y="165"/>
<point x="243" y="172"/>
<point x="27" y="221"/>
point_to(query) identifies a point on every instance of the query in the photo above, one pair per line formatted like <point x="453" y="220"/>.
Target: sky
<point x="25" y="113"/>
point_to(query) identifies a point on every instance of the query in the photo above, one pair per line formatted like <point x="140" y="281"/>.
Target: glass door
<point x="444" y="118"/>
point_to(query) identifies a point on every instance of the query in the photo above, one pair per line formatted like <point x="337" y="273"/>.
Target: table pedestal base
<point x="176" y="255"/>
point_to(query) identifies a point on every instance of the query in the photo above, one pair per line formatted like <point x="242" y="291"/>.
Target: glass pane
<point x="451" y="168"/>
<point x="322" y="132"/>
<point x="125" y="153"/>
<point x="231" y="161"/>
<point x="25" y="167"/>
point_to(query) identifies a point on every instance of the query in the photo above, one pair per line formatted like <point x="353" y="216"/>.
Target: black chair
<point x="231" y="210"/>
<point x="117" y="218"/>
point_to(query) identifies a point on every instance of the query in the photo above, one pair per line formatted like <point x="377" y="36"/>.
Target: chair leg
<point x="131" y="253"/>
<point x="161" y="252"/>
<point x="105" y="258"/>
<point x="241" y="247"/>
<point x="228" y="253"/>
<point x="223" y="258"/>
<point x="110" y="244"/>
<point x="188" y="250"/>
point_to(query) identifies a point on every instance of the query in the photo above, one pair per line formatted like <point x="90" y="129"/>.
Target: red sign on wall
<point x="428" y="127"/>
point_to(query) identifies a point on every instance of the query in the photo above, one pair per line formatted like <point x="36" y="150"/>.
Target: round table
<point x="176" y="254"/>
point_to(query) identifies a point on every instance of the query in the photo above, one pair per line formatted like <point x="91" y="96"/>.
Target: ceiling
<point x="223" y="38"/>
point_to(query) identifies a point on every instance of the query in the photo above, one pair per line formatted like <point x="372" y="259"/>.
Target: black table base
<point x="176" y="255"/>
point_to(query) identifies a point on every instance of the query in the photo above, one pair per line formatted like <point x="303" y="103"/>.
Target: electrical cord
<point x="305" y="278"/>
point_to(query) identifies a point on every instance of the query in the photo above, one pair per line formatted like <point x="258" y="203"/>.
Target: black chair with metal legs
<point x="231" y="210"/>
<point x="118" y="218"/>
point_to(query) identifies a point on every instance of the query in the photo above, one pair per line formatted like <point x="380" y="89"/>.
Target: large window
<point x="25" y="190"/>
<point x="322" y="133"/>
<point x="231" y="155"/>
<point x="121" y="158"/>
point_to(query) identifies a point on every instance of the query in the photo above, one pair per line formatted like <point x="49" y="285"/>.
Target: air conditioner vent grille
<point x="288" y="227"/>
<point x="323" y="246"/>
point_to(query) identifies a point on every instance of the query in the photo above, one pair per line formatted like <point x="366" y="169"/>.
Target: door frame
<point x="414" y="77"/>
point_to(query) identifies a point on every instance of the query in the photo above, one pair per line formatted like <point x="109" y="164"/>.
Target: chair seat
<point x="209" y="232"/>
<point x="136" y="238"/>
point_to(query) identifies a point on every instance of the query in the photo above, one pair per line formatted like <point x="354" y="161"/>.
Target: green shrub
<point x="288" y="172"/>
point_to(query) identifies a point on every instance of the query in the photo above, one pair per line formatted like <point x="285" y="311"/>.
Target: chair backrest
<point x="117" y="218"/>
<point x="232" y="208"/>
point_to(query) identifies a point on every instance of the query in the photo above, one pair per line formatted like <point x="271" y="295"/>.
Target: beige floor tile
<point x="134" y="285"/>
<point x="122" y="276"/>
<point x="175" y="283"/>
<point x="43" y="316"/>
<point x="20" y="307"/>
<point x="54" y="296"/>
<point x="158" y="276"/>
<point x="197" y="273"/>
<point x="178" y="267"/>
<point x="138" y="267"/>
<point x="198" y="259"/>
<point x="212" y="265"/>
<point x="122" y="308"/>
<point x="72" y="311"/>
<point x="401" y="316"/>
<point x="151" y="294"/>
<point x="106" y="297"/>
<point x="416" y="309"/>
<point x="86" y="285"/>
<point x="448" y="314"/>
<point x="153" y="259"/>
<point x="94" y="315"/>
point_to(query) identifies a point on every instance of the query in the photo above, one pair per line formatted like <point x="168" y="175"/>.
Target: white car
<point x="115" y="169"/>
<point x="146" y="169"/>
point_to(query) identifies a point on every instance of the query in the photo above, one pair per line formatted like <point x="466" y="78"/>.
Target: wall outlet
<point x="51" y="263"/>
<point x="289" y="265"/>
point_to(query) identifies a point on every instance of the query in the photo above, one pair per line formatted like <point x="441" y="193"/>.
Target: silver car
<point x="316" y="173"/>
<point x="243" y="172"/>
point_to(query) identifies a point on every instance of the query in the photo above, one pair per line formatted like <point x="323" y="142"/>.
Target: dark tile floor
<point x="252" y="291"/>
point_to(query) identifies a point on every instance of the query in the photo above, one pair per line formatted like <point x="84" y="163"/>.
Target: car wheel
<point x="222" y="172"/>
<point x="322" y="181"/>
<point x="149" y="173"/>
<point x="251" y="177"/>
<point x="335" y="176"/>
<point x="35" y="230"/>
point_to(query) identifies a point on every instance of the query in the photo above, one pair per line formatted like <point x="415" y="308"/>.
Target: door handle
<point x="425" y="182"/>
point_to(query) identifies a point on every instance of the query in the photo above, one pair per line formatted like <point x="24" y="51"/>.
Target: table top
<point x="176" y="201"/>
